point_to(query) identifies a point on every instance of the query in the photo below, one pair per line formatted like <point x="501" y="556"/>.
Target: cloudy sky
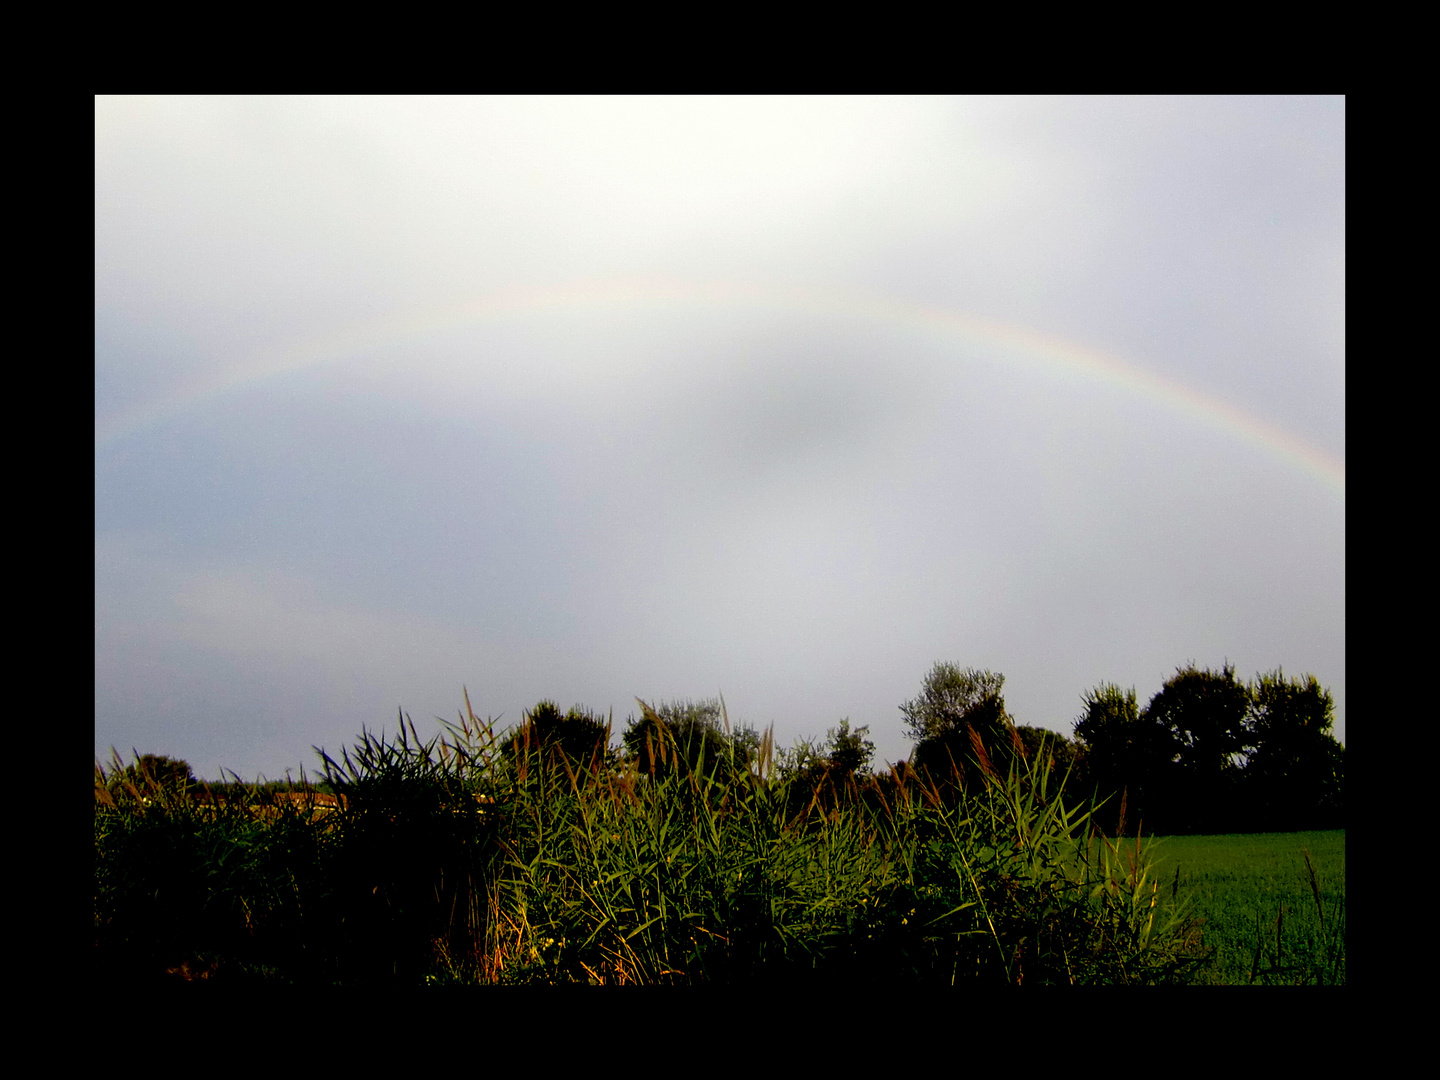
<point x="786" y="399"/>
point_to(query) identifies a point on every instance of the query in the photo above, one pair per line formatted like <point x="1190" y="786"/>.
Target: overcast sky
<point x="786" y="399"/>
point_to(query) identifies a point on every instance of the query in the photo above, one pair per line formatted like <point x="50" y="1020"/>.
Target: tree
<point x="1108" y="726"/>
<point x="1041" y="744"/>
<point x="1295" y="771"/>
<point x="1127" y="761"/>
<point x="1212" y="754"/>
<point x="583" y="738"/>
<point x="167" y="771"/>
<point x="842" y="754"/>
<point x="849" y="752"/>
<point x="682" y="734"/>
<point x="959" y="716"/>
<point x="153" y="772"/>
<point x="951" y="698"/>
<point x="1205" y="715"/>
<point x="824" y="773"/>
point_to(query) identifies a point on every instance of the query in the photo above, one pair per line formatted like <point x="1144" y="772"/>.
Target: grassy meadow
<point x="1273" y="903"/>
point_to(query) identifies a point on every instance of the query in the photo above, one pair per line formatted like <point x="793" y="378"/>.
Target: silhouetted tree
<point x="151" y="771"/>
<point x="168" y="771"/>
<point x="849" y="752"/>
<point x="1206" y="717"/>
<point x="1059" y="754"/>
<point x="958" y="722"/>
<point x="1211" y="754"/>
<point x="582" y="737"/>
<point x="1128" y="761"/>
<point x="1294" y="775"/>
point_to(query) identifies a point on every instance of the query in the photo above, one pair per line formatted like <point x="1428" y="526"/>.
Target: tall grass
<point x="452" y="861"/>
<point x="187" y="883"/>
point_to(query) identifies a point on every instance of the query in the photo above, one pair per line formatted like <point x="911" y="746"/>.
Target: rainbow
<point x="640" y="293"/>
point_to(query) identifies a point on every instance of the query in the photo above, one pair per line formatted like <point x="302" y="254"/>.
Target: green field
<point x="1255" y="892"/>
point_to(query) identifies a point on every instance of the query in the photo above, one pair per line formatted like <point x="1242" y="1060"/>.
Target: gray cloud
<point x="592" y="490"/>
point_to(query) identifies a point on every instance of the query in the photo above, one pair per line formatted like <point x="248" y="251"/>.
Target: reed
<point x="461" y="859"/>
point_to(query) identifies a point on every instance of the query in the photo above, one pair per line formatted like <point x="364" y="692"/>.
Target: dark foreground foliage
<point x="467" y="860"/>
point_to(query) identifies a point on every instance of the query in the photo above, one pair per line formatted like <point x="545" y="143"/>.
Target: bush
<point x="577" y="740"/>
<point x="684" y="736"/>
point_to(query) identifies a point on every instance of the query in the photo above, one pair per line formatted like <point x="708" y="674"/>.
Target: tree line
<point x="1213" y="754"/>
<point x="1208" y="753"/>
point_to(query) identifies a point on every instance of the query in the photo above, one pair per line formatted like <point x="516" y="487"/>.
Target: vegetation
<point x="695" y="853"/>
<point x="684" y="737"/>
<point x="577" y="736"/>
<point x="1273" y="904"/>
<point x="452" y="860"/>
<point x="1210" y="754"/>
<point x="151" y="770"/>
<point x="959" y="717"/>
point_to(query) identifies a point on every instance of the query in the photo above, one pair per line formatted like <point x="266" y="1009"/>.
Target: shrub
<point x="684" y="736"/>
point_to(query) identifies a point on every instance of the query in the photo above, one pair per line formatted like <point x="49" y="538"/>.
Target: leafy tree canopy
<point x="1212" y="754"/>
<point x="684" y="733"/>
<point x="1295" y="772"/>
<point x="1206" y="716"/>
<point x="842" y="753"/>
<point x="960" y="717"/>
<point x="849" y="752"/>
<point x="1289" y="712"/>
<point x="1110" y="718"/>
<point x="952" y="698"/>
<point x="167" y="772"/>
<point x="578" y="734"/>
